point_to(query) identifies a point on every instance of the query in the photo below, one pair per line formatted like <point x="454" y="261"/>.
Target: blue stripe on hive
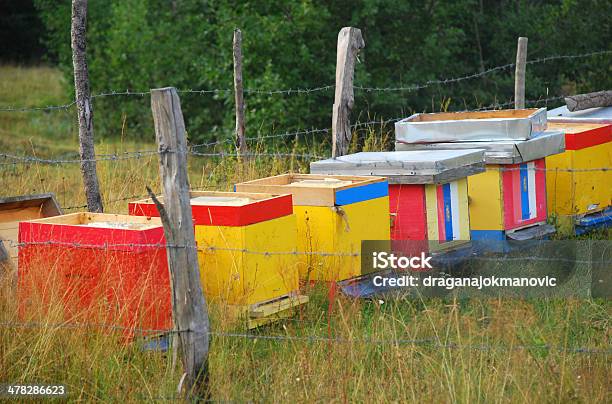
<point x="362" y="193"/>
<point x="448" y="213"/>
<point x="524" y="192"/>
<point x="493" y="235"/>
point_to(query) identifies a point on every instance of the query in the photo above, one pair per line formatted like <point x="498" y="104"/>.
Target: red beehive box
<point x="111" y="269"/>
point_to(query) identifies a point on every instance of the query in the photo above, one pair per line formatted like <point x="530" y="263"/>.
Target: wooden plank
<point x="407" y="202"/>
<point x="458" y="116"/>
<point x="519" y="73"/>
<point x="272" y="308"/>
<point x="486" y="200"/>
<point x="350" y="42"/>
<point x="189" y="309"/>
<point x="364" y="193"/>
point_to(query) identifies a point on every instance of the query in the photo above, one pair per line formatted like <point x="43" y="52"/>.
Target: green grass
<point x="488" y="350"/>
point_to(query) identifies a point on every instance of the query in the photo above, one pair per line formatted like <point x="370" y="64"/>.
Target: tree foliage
<point x="142" y="44"/>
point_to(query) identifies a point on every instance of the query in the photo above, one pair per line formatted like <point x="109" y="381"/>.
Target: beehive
<point x="509" y="198"/>
<point x="103" y="268"/>
<point x="575" y="184"/>
<point x="17" y="208"/>
<point x="246" y="249"/>
<point x="427" y="190"/>
<point x="334" y="215"/>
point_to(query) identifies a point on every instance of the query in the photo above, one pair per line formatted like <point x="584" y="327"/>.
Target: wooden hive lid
<point x="580" y="135"/>
<point x="407" y="167"/>
<point x="94" y="230"/>
<point x="211" y="208"/>
<point x="320" y="190"/>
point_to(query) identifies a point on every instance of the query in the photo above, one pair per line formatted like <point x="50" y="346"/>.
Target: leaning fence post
<point x="241" y="145"/>
<point x="189" y="310"/>
<point x="519" y="74"/>
<point x="87" y="153"/>
<point x="350" y="42"/>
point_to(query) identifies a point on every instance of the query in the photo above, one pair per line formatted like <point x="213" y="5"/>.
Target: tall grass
<point x="497" y="350"/>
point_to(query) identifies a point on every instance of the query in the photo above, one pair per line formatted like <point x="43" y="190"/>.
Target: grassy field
<point x="457" y="350"/>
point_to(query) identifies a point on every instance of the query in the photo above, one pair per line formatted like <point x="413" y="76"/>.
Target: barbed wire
<point x="302" y="156"/>
<point x="289" y="91"/>
<point x="433" y="342"/>
<point x="477" y="75"/>
<point x="213" y="249"/>
<point x="147" y="153"/>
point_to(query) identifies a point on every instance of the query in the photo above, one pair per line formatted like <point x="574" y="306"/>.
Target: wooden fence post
<point x="350" y="42"/>
<point x="519" y="73"/>
<point x="241" y="146"/>
<point x="189" y="310"/>
<point x="87" y="153"/>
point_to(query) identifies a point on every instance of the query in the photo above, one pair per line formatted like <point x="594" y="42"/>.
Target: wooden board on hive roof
<point x="319" y="190"/>
<point x="14" y="209"/>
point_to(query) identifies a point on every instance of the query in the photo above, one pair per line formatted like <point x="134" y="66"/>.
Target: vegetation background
<point x="142" y="44"/>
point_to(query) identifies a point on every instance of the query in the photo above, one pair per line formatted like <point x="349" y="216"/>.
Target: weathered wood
<point x="350" y="42"/>
<point x="84" y="106"/>
<point x="189" y="310"/>
<point x="241" y="146"/>
<point x="519" y="74"/>
<point x="591" y="100"/>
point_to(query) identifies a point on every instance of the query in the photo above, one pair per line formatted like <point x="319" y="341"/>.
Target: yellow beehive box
<point x="246" y="250"/>
<point x="334" y="215"/>
<point x="576" y="185"/>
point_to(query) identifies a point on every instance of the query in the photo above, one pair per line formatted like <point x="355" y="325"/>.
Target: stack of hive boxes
<point x="334" y="215"/>
<point x="508" y="200"/>
<point x="245" y="243"/>
<point x="427" y="190"/>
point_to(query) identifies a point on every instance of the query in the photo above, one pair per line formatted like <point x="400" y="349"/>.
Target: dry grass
<point x="484" y="350"/>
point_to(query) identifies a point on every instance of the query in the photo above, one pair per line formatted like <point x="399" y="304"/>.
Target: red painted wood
<point x="125" y="286"/>
<point x="258" y="211"/>
<point x="593" y="137"/>
<point x="512" y="197"/>
<point x="407" y="201"/>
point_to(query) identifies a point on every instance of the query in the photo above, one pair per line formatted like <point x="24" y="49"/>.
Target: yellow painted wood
<point x="243" y="278"/>
<point x="276" y="306"/>
<point x="577" y="193"/>
<point x="432" y="212"/>
<point x="340" y="230"/>
<point x="485" y="199"/>
<point x="431" y="201"/>
<point x="254" y="316"/>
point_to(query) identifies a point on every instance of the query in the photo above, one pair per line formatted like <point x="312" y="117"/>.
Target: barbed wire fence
<point x="194" y="150"/>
